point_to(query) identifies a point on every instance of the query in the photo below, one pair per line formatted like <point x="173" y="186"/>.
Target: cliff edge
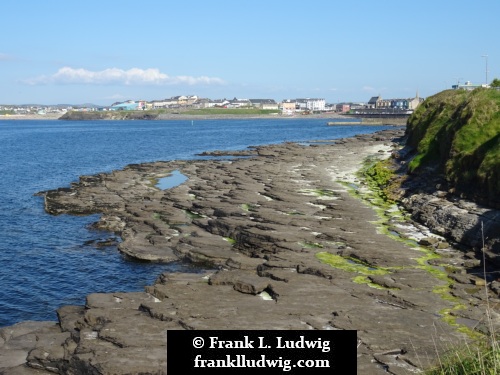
<point x="448" y="173"/>
<point x="456" y="134"/>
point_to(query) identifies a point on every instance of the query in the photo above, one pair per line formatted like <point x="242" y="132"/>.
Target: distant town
<point x="285" y="107"/>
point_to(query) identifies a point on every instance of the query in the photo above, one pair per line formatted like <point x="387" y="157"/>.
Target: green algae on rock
<point x="376" y="176"/>
<point x="350" y="264"/>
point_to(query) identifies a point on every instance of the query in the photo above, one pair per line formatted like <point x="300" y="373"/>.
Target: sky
<point x="101" y="52"/>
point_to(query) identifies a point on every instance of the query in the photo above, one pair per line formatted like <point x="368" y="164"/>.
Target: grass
<point x="479" y="360"/>
<point x="230" y="111"/>
<point x="482" y="357"/>
<point x="458" y="132"/>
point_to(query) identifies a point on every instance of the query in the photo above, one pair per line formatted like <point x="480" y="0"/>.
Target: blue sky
<point x="105" y="51"/>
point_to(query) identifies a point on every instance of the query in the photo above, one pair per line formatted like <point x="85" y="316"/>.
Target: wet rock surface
<point x="267" y="232"/>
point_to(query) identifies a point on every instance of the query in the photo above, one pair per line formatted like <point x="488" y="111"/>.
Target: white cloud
<point x="134" y="76"/>
<point x="368" y="88"/>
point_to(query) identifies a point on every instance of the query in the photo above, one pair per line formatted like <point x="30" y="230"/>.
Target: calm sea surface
<point x="45" y="260"/>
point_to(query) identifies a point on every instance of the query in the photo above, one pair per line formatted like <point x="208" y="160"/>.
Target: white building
<point x="469" y="86"/>
<point x="238" y="103"/>
<point x="308" y="104"/>
<point x="217" y="103"/>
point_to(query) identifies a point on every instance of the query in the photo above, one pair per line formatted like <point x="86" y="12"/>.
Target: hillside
<point x="456" y="133"/>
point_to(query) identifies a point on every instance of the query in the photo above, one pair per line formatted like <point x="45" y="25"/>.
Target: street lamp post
<point x="486" y="57"/>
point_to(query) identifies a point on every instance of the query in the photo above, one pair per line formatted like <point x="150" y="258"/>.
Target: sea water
<point x="49" y="261"/>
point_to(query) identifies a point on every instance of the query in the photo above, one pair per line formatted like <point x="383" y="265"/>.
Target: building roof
<point x="263" y="101"/>
<point x="239" y="100"/>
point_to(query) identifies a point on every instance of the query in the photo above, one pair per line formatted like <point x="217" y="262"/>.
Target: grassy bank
<point x="457" y="132"/>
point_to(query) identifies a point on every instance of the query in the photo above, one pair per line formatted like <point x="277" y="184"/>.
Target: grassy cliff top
<point x="458" y="132"/>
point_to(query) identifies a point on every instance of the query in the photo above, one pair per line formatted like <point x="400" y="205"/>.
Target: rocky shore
<point x="281" y="240"/>
<point x="182" y="115"/>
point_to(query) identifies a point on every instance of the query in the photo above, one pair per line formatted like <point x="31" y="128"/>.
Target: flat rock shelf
<point x="267" y="231"/>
